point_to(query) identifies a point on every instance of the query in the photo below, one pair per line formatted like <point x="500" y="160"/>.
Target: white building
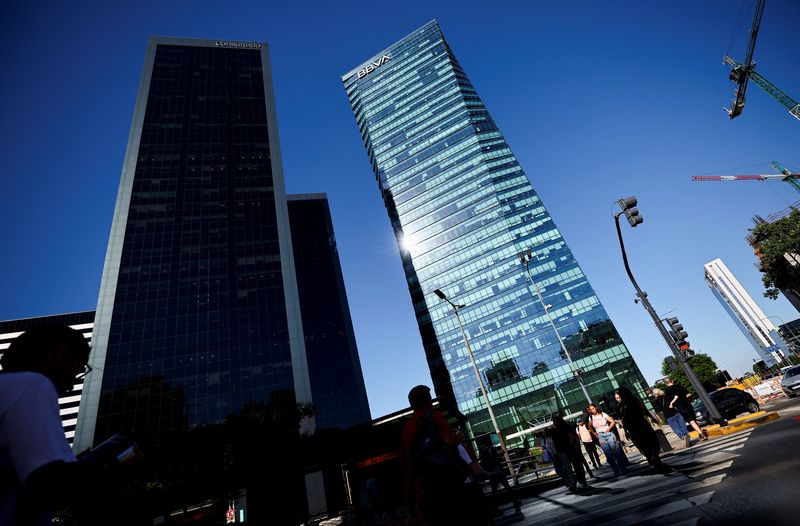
<point x="744" y="312"/>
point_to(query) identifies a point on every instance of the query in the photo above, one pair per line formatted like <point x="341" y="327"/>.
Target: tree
<point x="760" y="368"/>
<point x="704" y="367"/>
<point x="777" y="245"/>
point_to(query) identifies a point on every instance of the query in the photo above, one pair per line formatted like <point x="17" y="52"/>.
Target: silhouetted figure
<point x="436" y="475"/>
<point x="38" y="471"/>
<point x="635" y="416"/>
<point x="493" y="466"/>
<point x="568" y="448"/>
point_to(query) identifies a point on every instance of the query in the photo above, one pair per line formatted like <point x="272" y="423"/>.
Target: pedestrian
<point x="476" y="502"/>
<point x="495" y="474"/>
<point x="561" y="465"/>
<point x="435" y="470"/>
<point x="38" y="472"/>
<point x="621" y="434"/>
<point x="678" y="398"/>
<point x="636" y="416"/>
<point x="603" y="424"/>
<point x="588" y="441"/>
<point x="674" y="419"/>
<point x="567" y="448"/>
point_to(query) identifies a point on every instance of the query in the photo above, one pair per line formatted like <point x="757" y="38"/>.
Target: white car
<point x="791" y="381"/>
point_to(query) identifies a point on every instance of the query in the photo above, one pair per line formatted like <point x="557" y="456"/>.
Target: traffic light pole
<point x="698" y="387"/>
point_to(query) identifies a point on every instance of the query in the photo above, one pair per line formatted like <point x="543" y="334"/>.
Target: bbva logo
<point x="371" y="67"/>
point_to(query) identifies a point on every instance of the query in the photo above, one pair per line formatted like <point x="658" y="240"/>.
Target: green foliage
<point x="704" y="367"/>
<point x="772" y="242"/>
<point x="760" y="368"/>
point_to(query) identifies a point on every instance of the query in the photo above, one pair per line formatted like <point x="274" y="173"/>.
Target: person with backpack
<point x="438" y="471"/>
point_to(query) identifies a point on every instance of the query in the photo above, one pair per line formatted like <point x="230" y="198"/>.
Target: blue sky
<point x="598" y="100"/>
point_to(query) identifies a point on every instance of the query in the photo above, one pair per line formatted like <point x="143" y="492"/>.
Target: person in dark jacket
<point x="432" y="500"/>
<point x="635" y="419"/>
<point x="492" y="464"/>
<point x="674" y="419"/>
<point x="568" y="448"/>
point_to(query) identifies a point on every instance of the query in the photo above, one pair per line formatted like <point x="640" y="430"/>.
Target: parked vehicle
<point x="731" y="402"/>
<point x="791" y="381"/>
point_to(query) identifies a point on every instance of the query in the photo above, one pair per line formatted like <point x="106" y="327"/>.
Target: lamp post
<point x="456" y="307"/>
<point x="525" y="258"/>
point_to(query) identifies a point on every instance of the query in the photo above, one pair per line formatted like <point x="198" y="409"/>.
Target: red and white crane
<point x="793" y="178"/>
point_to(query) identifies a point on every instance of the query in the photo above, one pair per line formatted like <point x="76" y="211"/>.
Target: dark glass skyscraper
<point x="337" y="386"/>
<point x="199" y="316"/>
<point x="462" y="210"/>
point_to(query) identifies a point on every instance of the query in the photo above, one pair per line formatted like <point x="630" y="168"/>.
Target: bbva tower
<point x="463" y="210"/>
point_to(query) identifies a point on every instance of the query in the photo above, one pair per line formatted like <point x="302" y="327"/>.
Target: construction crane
<point x="793" y="178"/>
<point x="742" y="71"/>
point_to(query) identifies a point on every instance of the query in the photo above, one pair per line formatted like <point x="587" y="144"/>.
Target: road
<point x="749" y="477"/>
<point x="763" y="483"/>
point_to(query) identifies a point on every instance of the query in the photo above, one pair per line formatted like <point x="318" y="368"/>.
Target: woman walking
<point x="602" y="425"/>
<point x="674" y="419"/>
<point x="588" y="442"/>
<point x="635" y="416"/>
<point x="568" y="446"/>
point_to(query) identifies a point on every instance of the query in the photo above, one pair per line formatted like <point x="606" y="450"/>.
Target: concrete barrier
<point x="739" y="424"/>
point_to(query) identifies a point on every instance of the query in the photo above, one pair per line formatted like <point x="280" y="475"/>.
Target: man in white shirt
<point x="38" y="471"/>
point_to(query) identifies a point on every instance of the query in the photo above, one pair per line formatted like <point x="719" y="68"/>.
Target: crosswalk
<point x="640" y="497"/>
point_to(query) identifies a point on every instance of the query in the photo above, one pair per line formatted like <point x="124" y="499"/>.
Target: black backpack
<point x="432" y="459"/>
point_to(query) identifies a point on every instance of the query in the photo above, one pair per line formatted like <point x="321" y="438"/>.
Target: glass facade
<point x="462" y="210"/>
<point x="80" y="321"/>
<point x="337" y="385"/>
<point x="198" y="316"/>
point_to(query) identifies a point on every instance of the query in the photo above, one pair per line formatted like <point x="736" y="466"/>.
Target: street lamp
<point x="525" y="258"/>
<point x="478" y="376"/>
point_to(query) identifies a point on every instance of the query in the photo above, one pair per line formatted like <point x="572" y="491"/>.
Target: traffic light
<point x="678" y="334"/>
<point x="628" y="206"/>
<point x="672" y="364"/>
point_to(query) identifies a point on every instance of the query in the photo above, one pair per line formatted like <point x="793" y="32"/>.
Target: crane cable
<point x="741" y="21"/>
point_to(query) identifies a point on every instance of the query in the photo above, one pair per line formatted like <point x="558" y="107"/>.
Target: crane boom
<point x="759" y="177"/>
<point x="769" y="87"/>
<point x="739" y="73"/>
<point x="785" y="175"/>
